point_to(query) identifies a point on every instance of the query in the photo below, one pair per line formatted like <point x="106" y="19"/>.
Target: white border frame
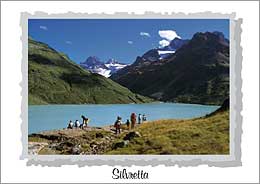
<point x="233" y="159"/>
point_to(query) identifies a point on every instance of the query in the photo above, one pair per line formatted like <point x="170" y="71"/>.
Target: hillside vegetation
<point x="206" y="135"/>
<point x="54" y="79"/>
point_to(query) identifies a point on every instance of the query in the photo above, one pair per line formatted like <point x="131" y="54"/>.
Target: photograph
<point x="128" y="86"/>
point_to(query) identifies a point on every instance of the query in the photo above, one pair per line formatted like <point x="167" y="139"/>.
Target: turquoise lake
<point x="49" y="117"/>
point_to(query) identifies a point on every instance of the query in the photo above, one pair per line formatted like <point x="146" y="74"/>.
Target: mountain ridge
<point x="198" y="72"/>
<point x="95" y="65"/>
<point x="54" y="79"/>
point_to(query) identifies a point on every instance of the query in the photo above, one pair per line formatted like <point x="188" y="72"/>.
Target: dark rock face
<point x="198" y="72"/>
<point x="92" y="61"/>
<point x="224" y="106"/>
<point x="175" y="44"/>
<point x="151" y="55"/>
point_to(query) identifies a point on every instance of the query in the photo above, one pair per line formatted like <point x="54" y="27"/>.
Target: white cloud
<point x="130" y="42"/>
<point x="163" y="43"/>
<point x="68" y="42"/>
<point x="44" y="28"/>
<point x="168" y="34"/>
<point x="145" y="34"/>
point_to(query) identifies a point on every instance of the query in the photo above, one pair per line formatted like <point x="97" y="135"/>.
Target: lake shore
<point x="204" y="135"/>
<point x="49" y="117"/>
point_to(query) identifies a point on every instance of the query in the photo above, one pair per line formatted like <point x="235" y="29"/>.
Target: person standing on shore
<point x="84" y="121"/>
<point x="139" y="119"/>
<point x="144" y="118"/>
<point x="118" y="125"/>
<point x="128" y="124"/>
<point x="133" y="120"/>
<point x="70" y="125"/>
<point x="76" y="124"/>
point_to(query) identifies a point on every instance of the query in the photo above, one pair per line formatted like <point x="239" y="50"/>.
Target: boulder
<point x="132" y="135"/>
<point x="76" y="150"/>
<point x="120" y="144"/>
<point x="64" y="145"/>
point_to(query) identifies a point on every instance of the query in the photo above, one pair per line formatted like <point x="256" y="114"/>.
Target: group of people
<point x="77" y="124"/>
<point x="118" y="123"/>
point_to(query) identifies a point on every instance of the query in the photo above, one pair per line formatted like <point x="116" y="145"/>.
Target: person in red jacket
<point x="133" y="120"/>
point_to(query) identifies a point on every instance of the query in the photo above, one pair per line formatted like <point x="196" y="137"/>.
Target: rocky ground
<point x="92" y="140"/>
<point x="35" y="147"/>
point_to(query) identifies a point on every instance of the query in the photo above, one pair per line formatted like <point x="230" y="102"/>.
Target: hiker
<point x="70" y="125"/>
<point x="139" y="119"/>
<point x="133" y="120"/>
<point x="117" y="124"/>
<point x="76" y="124"/>
<point x="84" y="121"/>
<point x="128" y="124"/>
<point x="144" y="117"/>
<point x="82" y="125"/>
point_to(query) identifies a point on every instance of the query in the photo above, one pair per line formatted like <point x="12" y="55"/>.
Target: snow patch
<point x="101" y="68"/>
<point x="162" y="52"/>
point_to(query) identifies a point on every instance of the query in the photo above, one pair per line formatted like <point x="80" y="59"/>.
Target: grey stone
<point x="132" y="135"/>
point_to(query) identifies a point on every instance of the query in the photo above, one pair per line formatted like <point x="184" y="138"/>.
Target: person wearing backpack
<point x="85" y="122"/>
<point x="117" y="125"/>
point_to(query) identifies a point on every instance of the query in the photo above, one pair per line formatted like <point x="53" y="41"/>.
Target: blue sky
<point x="123" y="40"/>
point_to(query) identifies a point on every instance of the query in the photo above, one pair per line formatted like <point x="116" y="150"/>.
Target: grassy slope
<point x="206" y="135"/>
<point x="55" y="79"/>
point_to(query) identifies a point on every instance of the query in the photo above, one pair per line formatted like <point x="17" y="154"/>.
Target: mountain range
<point x="95" y="65"/>
<point x="164" y="52"/>
<point x="186" y="71"/>
<point x="196" y="72"/>
<point x="54" y="79"/>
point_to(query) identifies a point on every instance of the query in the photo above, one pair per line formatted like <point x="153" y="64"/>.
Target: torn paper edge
<point x="231" y="160"/>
